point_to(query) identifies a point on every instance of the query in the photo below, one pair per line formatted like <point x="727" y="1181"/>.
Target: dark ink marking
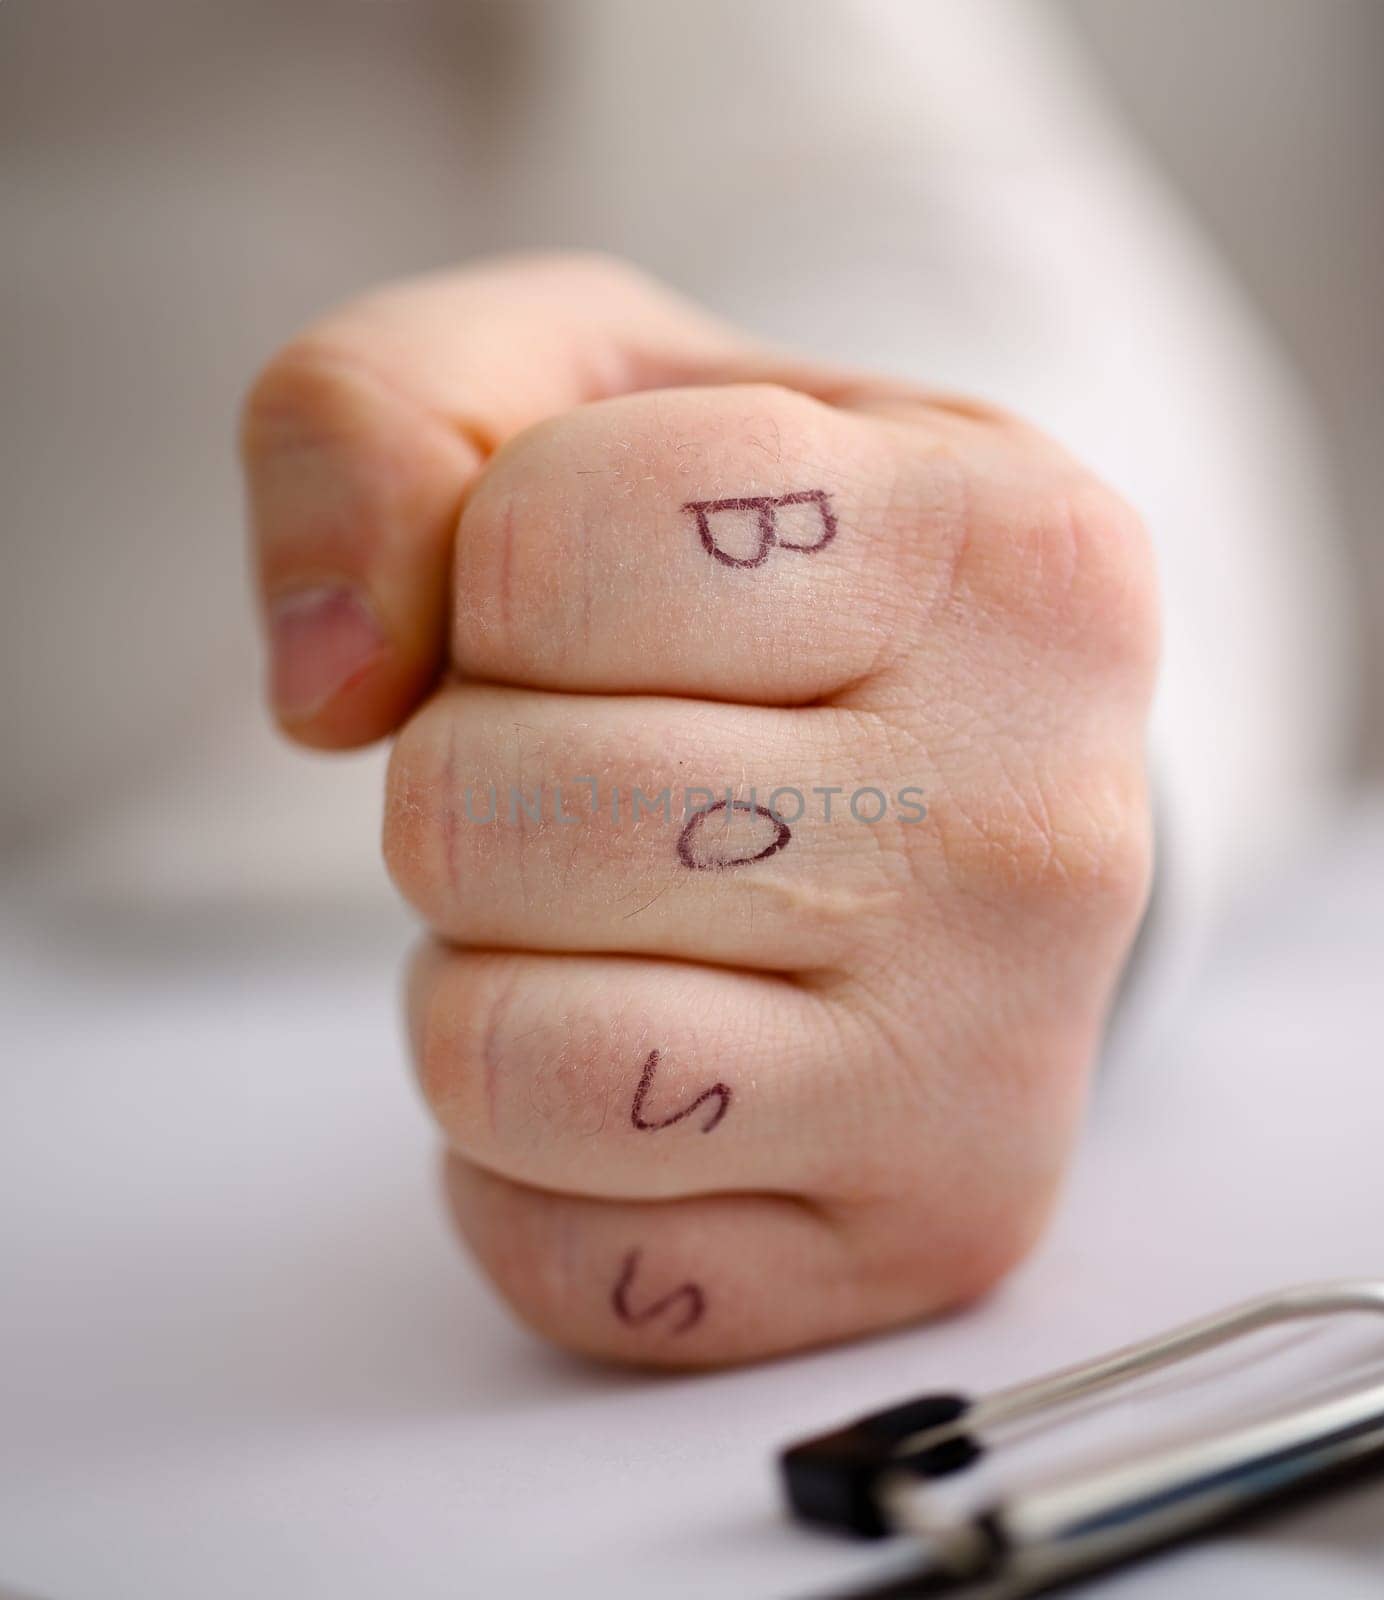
<point x="690" y="1295"/>
<point x="809" y="497"/>
<point x="704" y="510"/>
<point x="719" y="1092"/>
<point x="765" y="507"/>
<point x="691" y="833"/>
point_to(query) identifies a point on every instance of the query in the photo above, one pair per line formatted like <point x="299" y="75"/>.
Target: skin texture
<point x="716" y="1087"/>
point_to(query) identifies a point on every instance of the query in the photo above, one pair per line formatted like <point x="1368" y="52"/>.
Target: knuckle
<point x="995" y="1170"/>
<point x="1095" y="848"/>
<point x="974" y="1240"/>
<point x="1073" y="558"/>
<point x="1003" y="1229"/>
<point x="1002" y="1237"/>
<point x="1084" y="838"/>
<point x="1115" y="601"/>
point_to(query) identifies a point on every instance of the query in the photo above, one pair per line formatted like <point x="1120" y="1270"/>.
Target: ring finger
<point x="635" y="1079"/>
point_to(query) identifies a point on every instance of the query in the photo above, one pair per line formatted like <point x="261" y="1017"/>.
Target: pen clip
<point x="835" y="1479"/>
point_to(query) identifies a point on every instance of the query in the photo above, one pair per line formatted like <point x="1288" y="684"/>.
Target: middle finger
<point x="733" y="834"/>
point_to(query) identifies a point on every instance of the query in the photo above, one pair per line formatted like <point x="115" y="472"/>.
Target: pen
<point x="1089" y="1522"/>
<point x="873" y="1477"/>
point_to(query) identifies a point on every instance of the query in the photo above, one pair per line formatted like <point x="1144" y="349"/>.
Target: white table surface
<point x="240" y="1354"/>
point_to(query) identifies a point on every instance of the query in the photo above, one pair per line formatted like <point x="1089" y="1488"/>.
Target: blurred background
<point x="1268" y="117"/>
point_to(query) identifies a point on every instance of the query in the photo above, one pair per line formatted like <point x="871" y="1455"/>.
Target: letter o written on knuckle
<point x="703" y="846"/>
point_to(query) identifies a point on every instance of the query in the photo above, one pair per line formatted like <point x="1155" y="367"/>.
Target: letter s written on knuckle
<point x="719" y="1092"/>
<point x="684" y="1306"/>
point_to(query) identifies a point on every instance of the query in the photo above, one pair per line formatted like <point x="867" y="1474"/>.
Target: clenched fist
<point x="770" y="775"/>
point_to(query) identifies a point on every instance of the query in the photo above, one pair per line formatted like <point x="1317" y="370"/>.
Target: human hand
<point x="716" y="1083"/>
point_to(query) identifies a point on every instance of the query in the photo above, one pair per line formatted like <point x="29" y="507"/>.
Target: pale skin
<point x="470" y="505"/>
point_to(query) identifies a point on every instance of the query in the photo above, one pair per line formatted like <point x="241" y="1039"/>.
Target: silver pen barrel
<point x="1080" y="1525"/>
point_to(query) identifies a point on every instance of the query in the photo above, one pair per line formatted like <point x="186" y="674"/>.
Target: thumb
<point x="361" y="438"/>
